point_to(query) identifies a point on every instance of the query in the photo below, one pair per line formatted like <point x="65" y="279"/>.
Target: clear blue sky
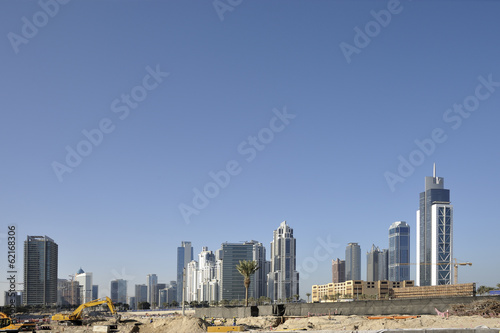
<point x="353" y="105"/>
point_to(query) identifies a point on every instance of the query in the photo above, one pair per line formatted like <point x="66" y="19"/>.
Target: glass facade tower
<point x="434" y="234"/>
<point x="353" y="262"/>
<point x="40" y="271"/>
<point x="399" y="251"/>
<point x="184" y="256"/>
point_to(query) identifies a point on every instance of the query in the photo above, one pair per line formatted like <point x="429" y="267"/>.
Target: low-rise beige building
<point x="356" y="289"/>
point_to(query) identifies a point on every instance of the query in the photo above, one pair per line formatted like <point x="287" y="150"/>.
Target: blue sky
<point x="177" y="93"/>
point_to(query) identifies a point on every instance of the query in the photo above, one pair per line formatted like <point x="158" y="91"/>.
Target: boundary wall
<point x="412" y="307"/>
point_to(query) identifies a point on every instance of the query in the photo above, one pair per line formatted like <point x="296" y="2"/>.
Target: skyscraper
<point x="399" y="251"/>
<point x="338" y="271"/>
<point x="119" y="291"/>
<point x="184" y="256"/>
<point x="260" y="277"/>
<point x="40" y="270"/>
<point x="141" y="294"/>
<point x="353" y="262"/>
<point x="152" y="282"/>
<point x="383" y="265"/>
<point x="95" y="291"/>
<point x="434" y="234"/>
<point x="231" y="283"/>
<point x="283" y="279"/>
<point x="85" y="281"/>
<point x="373" y="263"/>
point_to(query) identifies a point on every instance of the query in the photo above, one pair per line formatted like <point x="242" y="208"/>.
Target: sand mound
<point x="258" y="322"/>
<point x="361" y="323"/>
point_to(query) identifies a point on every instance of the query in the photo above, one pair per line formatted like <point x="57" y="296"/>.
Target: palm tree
<point x="247" y="268"/>
<point x="308" y="294"/>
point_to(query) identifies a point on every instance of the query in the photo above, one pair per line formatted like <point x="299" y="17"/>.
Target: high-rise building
<point x="95" y="291"/>
<point x="152" y="282"/>
<point x="231" y="281"/>
<point x="169" y="294"/>
<point x="40" y="271"/>
<point x="141" y="294"/>
<point x="376" y="264"/>
<point x="372" y="264"/>
<point x="434" y="234"/>
<point x="207" y="276"/>
<point x="119" y="291"/>
<point x="383" y="265"/>
<point x="68" y="292"/>
<point x="283" y="279"/>
<point x="13" y="299"/>
<point x="184" y="256"/>
<point x="353" y="262"/>
<point x="399" y="251"/>
<point x="157" y="288"/>
<point x="260" y="277"/>
<point x="85" y="281"/>
<point x="132" y="303"/>
<point x="338" y="271"/>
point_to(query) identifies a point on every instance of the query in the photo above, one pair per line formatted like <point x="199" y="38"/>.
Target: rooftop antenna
<point x="434" y="171"/>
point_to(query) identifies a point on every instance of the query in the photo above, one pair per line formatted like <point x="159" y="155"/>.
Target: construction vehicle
<point x="75" y="318"/>
<point x="19" y="327"/>
<point x="4" y="320"/>
<point x="8" y="325"/>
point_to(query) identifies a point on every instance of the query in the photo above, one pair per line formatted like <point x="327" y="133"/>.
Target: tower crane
<point x="455" y="266"/>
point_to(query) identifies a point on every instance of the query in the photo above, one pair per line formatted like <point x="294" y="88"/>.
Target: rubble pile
<point x="484" y="308"/>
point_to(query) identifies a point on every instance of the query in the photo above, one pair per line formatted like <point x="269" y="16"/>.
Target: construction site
<point x="452" y="314"/>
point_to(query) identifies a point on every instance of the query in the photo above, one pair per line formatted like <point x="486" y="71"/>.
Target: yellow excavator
<point x="75" y="317"/>
<point x="6" y="325"/>
<point x="4" y="320"/>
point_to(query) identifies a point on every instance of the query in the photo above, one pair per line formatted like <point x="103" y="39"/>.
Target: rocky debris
<point x="485" y="308"/>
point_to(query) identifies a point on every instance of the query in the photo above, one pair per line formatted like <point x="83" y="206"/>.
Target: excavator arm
<point x="76" y="315"/>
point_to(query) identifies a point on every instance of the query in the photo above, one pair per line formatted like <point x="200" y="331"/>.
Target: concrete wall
<point x="362" y="308"/>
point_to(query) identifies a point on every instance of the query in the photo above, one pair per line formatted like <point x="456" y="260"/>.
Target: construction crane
<point x="75" y="317"/>
<point x="455" y="266"/>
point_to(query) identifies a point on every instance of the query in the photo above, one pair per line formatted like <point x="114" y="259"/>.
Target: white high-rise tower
<point x="434" y="234"/>
<point x="283" y="279"/>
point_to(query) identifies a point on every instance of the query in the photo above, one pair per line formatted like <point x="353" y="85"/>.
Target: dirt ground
<point x="190" y="324"/>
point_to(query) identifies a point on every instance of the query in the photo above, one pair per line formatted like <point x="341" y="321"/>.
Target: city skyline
<point x="163" y="121"/>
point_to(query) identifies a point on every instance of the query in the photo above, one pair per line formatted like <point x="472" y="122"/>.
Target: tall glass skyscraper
<point x="40" y="271"/>
<point x="399" y="251"/>
<point x="231" y="282"/>
<point x="184" y="256"/>
<point x="434" y="234"/>
<point x="353" y="262"/>
<point x="283" y="279"/>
